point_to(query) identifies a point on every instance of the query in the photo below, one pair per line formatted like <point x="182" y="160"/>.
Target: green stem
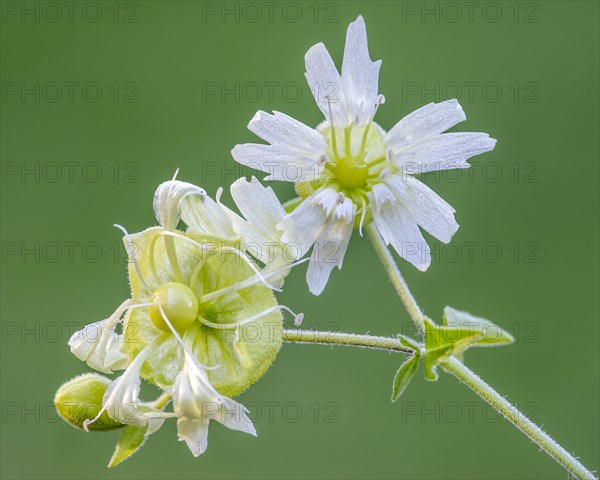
<point x="470" y="378"/>
<point x="345" y="339"/>
<point x="162" y="401"/>
<point x="518" y="419"/>
<point x="464" y="374"/>
<point x="396" y="277"/>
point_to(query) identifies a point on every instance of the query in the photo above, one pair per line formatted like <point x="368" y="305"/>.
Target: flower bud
<point x="81" y="398"/>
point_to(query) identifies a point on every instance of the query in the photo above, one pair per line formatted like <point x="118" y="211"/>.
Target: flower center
<point x="355" y="159"/>
<point x="350" y="175"/>
<point x="179" y="304"/>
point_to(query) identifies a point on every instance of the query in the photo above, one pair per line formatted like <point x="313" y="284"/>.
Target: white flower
<point x="350" y="171"/>
<point x="98" y="344"/>
<point x="196" y="402"/>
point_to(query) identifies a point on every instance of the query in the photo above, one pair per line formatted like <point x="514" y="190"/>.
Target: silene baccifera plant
<point x="203" y="323"/>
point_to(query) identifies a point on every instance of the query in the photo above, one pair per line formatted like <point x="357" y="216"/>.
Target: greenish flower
<point x="202" y="322"/>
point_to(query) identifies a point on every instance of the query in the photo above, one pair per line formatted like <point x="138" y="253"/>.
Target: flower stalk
<point x="345" y="339"/>
<point x="459" y="370"/>
<point x="456" y="368"/>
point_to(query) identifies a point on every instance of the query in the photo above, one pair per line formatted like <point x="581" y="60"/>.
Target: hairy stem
<point x="468" y="377"/>
<point x="518" y="419"/>
<point x="464" y="374"/>
<point x="396" y="277"/>
<point x="345" y="339"/>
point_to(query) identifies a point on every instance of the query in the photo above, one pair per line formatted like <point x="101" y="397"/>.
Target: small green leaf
<point x="485" y="333"/>
<point x="404" y="375"/>
<point x="460" y="330"/>
<point x="131" y="441"/>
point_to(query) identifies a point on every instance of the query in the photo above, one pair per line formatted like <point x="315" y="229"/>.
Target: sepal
<point x="81" y="398"/>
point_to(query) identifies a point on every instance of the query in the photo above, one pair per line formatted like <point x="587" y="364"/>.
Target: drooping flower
<point x="349" y="171"/>
<point x="196" y="402"/>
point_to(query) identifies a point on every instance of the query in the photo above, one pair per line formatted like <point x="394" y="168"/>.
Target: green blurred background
<point x="101" y="104"/>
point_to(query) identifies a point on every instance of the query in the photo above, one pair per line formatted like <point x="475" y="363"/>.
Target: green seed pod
<point x="81" y="398"/>
<point x="200" y="282"/>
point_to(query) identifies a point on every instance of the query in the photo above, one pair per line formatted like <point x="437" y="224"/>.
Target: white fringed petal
<point x="98" y="344"/>
<point x="122" y="402"/>
<point x="204" y="215"/>
<point x="196" y="402"/>
<point x="442" y="152"/>
<point x="426" y="122"/>
<point x="428" y="209"/>
<point x="324" y="220"/>
<point x="360" y="75"/>
<point x="398" y="228"/>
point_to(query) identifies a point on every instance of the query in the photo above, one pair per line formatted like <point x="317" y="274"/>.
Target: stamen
<point x="380" y="100"/>
<point x="332" y="127"/>
<point x="347" y="138"/>
<point x="229" y="326"/>
<point x="132" y="256"/>
<point x="298" y="319"/>
<point x="362" y="216"/>
<point x="248" y="282"/>
<point x="390" y="155"/>
<point x="230" y="249"/>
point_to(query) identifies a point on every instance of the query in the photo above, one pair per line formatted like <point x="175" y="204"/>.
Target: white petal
<point x="98" y="344"/>
<point x="442" y="152"/>
<point x="360" y="75"/>
<point x="121" y="399"/>
<point x="259" y="205"/>
<point x="282" y="130"/>
<point x="331" y="246"/>
<point x="430" y="210"/>
<point x="398" y="228"/>
<point x="195" y="434"/>
<point x="167" y="201"/>
<point x="196" y="402"/>
<point x="204" y="215"/>
<point x="235" y="417"/>
<point x="262" y="212"/>
<point x="302" y="226"/>
<point x="426" y="122"/>
<point x="279" y="162"/>
<point x="326" y="85"/>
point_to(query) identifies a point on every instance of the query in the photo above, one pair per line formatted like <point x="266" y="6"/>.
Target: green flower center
<point x="179" y="304"/>
<point x="356" y="157"/>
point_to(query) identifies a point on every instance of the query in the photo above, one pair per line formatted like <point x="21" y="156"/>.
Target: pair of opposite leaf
<point x="193" y="292"/>
<point x="458" y="332"/>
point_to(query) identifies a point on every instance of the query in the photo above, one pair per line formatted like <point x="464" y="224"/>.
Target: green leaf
<point x="404" y="375"/>
<point x="460" y="330"/>
<point x="485" y="332"/>
<point x="131" y="441"/>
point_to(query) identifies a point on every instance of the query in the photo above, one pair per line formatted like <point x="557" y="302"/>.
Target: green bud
<point x="81" y="398"/>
